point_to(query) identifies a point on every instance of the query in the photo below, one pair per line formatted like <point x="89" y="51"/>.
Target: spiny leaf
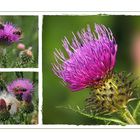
<point x="82" y="112"/>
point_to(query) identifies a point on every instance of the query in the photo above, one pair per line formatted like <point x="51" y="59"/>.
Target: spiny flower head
<point x="26" y="57"/>
<point x="91" y="58"/>
<point x="21" y="88"/>
<point x="114" y="95"/>
<point x="9" y="34"/>
<point x="26" y="53"/>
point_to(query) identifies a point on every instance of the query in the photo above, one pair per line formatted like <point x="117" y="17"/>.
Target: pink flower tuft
<point x="9" y="34"/>
<point x="91" y="58"/>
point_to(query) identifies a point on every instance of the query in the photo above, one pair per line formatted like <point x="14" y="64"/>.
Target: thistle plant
<point x="9" y="35"/>
<point x="26" y="58"/>
<point x="90" y="64"/>
<point x="17" y="102"/>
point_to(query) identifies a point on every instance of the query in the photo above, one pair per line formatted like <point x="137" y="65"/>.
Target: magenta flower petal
<point x="9" y="34"/>
<point x="91" y="58"/>
<point x="23" y="87"/>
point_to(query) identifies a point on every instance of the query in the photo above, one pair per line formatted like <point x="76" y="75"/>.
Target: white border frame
<point x="40" y="125"/>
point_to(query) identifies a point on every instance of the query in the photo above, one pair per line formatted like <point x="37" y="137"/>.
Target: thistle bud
<point x="26" y="56"/>
<point x="29" y="53"/>
<point x="112" y="96"/>
<point x="27" y="98"/>
<point x="21" y="47"/>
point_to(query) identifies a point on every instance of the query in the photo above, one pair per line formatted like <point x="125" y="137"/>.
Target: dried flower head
<point x="9" y="34"/>
<point x="26" y="57"/>
<point x="21" y="88"/>
<point x="27" y="53"/>
<point x="91" y="59"/>
<point x="9" y="102"/>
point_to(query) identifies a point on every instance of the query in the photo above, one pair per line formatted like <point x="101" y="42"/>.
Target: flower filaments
<point x="22" y="89"/>
<point x="91" y="58"/>
<point x="9" y="34"/>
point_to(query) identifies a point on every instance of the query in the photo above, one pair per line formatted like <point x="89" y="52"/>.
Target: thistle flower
<point x="9" y="34"/>
<point x="21" y="88"/>
<point x="26" y="57"/>
<point x="91" y="58"/>
<point x="90" y="63"/>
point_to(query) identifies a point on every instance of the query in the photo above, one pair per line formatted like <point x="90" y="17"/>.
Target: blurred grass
<point x="29" y="27"/>
<point x="54" y="30"/>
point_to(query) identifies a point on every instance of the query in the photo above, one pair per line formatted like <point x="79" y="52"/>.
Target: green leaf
<point x="136" y="112"/>
<point x="92" y="116"/>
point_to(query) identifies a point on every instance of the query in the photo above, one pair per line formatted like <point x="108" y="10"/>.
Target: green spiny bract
<point x="111" y="96"/>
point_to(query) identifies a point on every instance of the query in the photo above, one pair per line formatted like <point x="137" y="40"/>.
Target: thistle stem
<point x="3" y="57"/>
<point x="126" y="115"/>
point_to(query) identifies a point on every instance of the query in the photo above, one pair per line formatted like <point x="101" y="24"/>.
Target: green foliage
<point x="106" y="120"/>
<point x="136" y="112"/>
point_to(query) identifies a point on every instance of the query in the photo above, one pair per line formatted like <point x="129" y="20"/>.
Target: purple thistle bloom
<point x="91" y="58"/>
<point x="21" y="87"/>
<point x="9" y="34"/>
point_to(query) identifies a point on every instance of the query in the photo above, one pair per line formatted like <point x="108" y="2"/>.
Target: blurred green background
<point x="29" y="27"/>
<point x="54" y="30"/>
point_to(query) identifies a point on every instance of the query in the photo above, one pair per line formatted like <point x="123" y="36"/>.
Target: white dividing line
<point x="40" y="71"/>
<point x="19" y="70"/>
